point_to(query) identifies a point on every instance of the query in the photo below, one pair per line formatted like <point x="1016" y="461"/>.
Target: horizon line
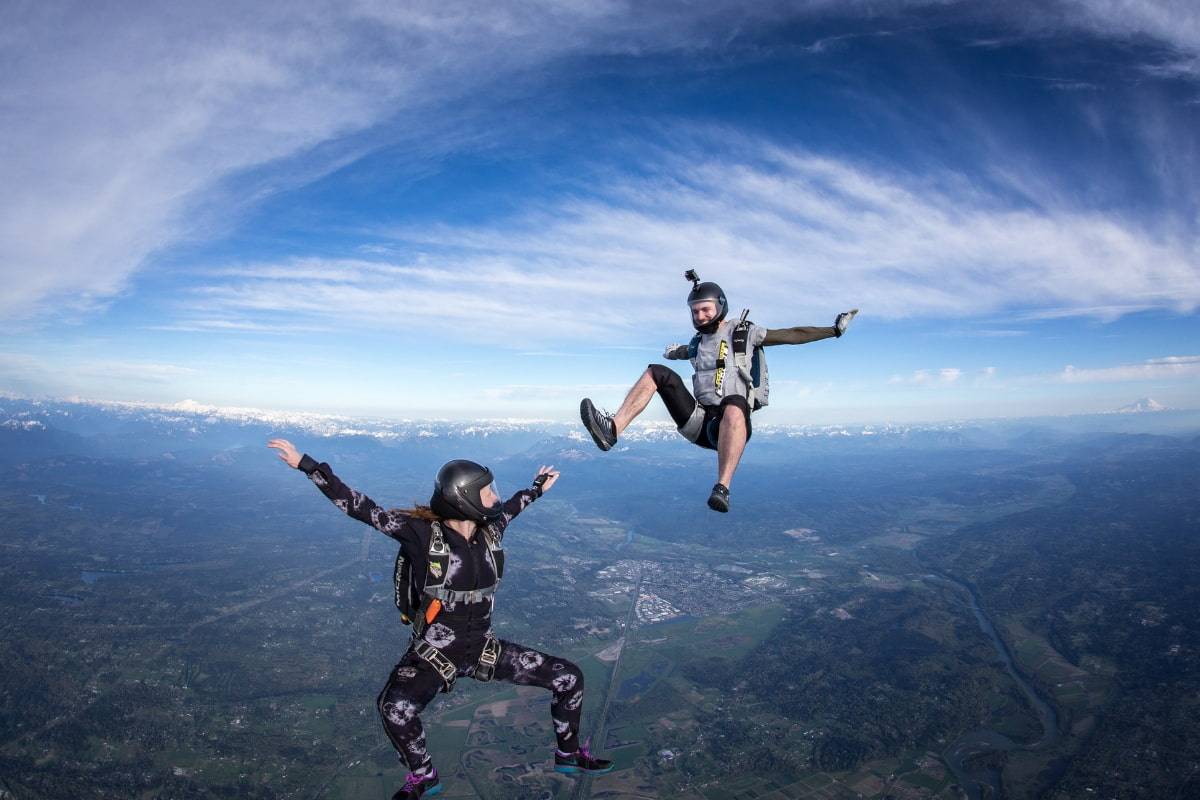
<point x="188" y="406"/>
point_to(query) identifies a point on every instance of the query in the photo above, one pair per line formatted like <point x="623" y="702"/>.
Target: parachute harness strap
<point x="460" y="596"/>
<point x="443" y="666"/>
<point x="496" y="553"/>
<point x="438" y="558"/>
<point x="719" y="375"/>
<point x="438" y="547"/>
<point x="741" y="356"/>
<point x="488" y="658"/>
<point x="437" y="541"/>
<point x="741" y="333"/>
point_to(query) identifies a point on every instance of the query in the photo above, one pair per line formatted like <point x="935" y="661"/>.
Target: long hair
<point x="420" y="512"/>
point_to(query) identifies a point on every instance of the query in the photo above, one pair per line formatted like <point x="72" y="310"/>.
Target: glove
<point x="843" y="321"/>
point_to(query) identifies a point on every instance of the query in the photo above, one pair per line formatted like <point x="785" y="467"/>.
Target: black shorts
<point x="680" y="405"/>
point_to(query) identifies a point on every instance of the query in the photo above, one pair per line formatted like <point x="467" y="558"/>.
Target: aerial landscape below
<point x="967" y="617"/>
<point x="600" y="399"/>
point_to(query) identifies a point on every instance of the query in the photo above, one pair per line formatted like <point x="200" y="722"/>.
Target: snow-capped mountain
<point x="186" y="429"/>
<point x="1146" y="404"/>
<point x="196" y="419"/>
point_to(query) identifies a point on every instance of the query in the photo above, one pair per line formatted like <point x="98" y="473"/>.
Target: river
<point x="985" y="783"/>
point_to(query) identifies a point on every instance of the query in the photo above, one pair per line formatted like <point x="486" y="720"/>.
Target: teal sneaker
<point x="581" y="761"/>
<point x="417" y="786"/>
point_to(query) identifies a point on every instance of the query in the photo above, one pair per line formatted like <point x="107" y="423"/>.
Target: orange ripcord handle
<point x="432" y="612"/>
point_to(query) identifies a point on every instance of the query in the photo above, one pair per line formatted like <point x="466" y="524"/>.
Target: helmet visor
<point x="489" y="496"/>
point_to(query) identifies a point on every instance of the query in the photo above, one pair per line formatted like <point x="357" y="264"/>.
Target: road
<point x="583" y="787"/>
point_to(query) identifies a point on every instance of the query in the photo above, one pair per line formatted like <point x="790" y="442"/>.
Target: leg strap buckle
<point x="488" y="658"/>
<point x="443" y="666"/>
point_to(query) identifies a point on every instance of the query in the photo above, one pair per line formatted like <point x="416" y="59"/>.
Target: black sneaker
<point x="417" y="786"/>
<point x="581" y="761"/>
<point x="843" y="321"/>
<point x="598" y="424"/>
<point x="719" y="499"/>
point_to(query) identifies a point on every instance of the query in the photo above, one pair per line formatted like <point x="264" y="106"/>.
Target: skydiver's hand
<point x="670" y="349"/>
<point x="551" y="476"/>
<point x="288" y="454"/>
<point x="843" y="321"/>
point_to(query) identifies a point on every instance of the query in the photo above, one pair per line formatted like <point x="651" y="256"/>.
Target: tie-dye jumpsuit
<point x="460" y="629"/>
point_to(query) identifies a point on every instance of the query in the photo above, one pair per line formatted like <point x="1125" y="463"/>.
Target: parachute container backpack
<point x="413" y="598"/>
<point x="457" y="494"/>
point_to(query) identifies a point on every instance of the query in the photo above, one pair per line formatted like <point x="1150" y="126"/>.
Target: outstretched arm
<point x="542" y="481"/>
<point x="355" y="504"/>
<point x="803" y="334"/>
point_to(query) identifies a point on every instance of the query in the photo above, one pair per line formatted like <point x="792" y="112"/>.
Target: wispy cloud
<point x="555" y="391"/>
<point x="1168" y="368"/>
<point x="237" y="326"/>
<point x="117" y="146"/>
<point x="1173" y="22"/>
<point x="793" y="234"/>
<point x="987" y="333"/>
<point x="1188" y="68"/>
<point x="141" y="371"/>
<point x="39" y="375"/>
<point x="123" y="122"/>
<point x="946" y="376"/>
<point x="1060" y="84"/>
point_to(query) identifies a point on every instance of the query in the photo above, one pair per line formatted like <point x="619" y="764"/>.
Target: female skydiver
<point x="726" y="389"/>
<point x="450" y="564"/>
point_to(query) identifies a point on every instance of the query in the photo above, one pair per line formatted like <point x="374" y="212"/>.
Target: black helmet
<point x="706" y="291"/>
<point x="457" y="489"/>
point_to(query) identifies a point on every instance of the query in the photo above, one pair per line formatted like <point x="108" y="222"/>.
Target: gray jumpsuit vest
<point x="721" y="372"/>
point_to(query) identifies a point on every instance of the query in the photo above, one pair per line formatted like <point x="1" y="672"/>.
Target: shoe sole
<point x="431" y="791"/>
<point x="585" y="417"/>
<point x="567" y="770"/>
<point x="717" y="505"/>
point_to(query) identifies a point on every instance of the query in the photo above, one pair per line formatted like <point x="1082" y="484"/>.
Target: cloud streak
<point x="122" y="123"/>
<point x="1173" y="22"/>
<point x="1155" y="369"/>
<point x="121" y="126"/>
<point x="796" y="235"/>
<point x="946" y="376"/>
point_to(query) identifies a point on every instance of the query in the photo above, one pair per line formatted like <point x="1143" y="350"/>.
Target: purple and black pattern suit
<point x="460" y="629"/>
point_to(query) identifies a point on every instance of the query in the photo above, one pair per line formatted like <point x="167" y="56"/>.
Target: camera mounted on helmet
<point x="702" y="292"/>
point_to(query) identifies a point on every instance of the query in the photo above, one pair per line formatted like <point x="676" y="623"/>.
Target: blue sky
<point x="479" y="209"/>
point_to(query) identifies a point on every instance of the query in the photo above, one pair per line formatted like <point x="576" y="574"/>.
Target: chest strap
<point x="459" y="595"/>
<point x="439" y="562"/>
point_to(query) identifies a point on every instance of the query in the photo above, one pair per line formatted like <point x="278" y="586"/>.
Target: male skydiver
<point x="730" y="381"/>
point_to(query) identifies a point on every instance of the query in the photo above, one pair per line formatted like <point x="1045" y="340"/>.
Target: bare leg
<point x="730" y="443"/>
<point x="636" y="402"/>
